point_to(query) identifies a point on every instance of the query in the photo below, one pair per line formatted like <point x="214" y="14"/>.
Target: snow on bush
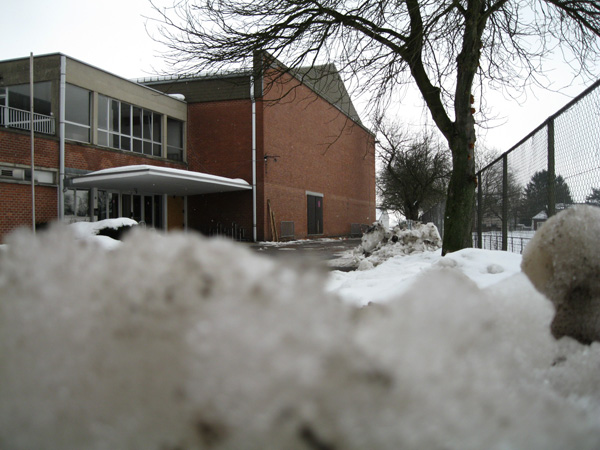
<point x="183" y="342"/>
<point x="564" y="264"/>
<point x="106" y="233"/>
<point x="379" y="244"/>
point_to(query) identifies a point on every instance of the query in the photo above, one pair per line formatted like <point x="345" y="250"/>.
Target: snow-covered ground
<point x="183" y="342"/>
<point x="394" y="276"/>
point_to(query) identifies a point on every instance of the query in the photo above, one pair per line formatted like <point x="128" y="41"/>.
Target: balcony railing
<point x="18" y="118"/>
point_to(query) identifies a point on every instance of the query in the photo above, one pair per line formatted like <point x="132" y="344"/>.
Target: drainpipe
<point x="32" y="137"/>
<point x="61" y="137"/>
<point x="253" y="100"/>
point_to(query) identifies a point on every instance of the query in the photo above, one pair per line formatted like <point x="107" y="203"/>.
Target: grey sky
<point x="111" y="35"/>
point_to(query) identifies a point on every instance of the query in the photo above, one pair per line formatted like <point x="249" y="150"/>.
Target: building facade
<point x="280" y="155"/>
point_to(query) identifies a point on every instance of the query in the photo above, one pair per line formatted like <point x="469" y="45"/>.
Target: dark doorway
<point x="315" y="214"/>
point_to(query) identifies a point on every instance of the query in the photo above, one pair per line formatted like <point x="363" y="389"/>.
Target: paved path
<point x="318" y="251"/>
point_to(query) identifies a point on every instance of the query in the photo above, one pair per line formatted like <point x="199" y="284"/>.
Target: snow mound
<point x="563" y="262"/>
<point x="474" y="264"/>
<point x="106" y="233"/>
<point x="379" y="244"/>
<point x="185" y="342"/>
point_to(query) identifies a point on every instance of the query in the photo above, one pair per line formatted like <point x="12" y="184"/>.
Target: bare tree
<point x="447" y="48"/>
<point x="414" y="173"/>
<point x="492" y="189"/>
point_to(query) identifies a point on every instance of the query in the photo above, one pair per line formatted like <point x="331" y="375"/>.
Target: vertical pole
<point x="551" y="171"/>
<point x="165" y="214"/>
<point x="253" y="101"/>
<point x="61" y="137"/>
<point x="505" y="202"/>
<point x="479" y="212"/>
<point x="32" y="134"/>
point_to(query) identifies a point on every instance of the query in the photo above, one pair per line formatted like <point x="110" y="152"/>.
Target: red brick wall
<point x="87" y="157"/>
<point x="220" y="138"/>
<point x="15" y="206"/>
<point x="219" y="142"/>
<point x="15" y="148"/>
<point x="318" y="149"/>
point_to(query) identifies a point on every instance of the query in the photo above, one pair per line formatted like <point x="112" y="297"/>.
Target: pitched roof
<point x="326" y="81"/>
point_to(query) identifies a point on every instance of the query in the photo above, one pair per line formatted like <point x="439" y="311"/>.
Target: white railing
<point x="18" y="118"/>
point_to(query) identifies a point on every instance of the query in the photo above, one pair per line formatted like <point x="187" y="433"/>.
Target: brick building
<point x="249" y="156"/>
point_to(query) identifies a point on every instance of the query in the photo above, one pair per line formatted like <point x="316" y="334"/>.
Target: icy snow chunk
<point x="379" y="244"/>
<point x="183" y="342"/>
<point x="563" y="262"/>
<point x="161" y="343"/>
<point x="455" y="351"/>
<point x="372" y="237"/>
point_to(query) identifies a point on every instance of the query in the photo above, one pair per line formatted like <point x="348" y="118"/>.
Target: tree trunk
<point x="461" y="189"/>
<point x="460" y="201"/>
<point x="459" y="206"/>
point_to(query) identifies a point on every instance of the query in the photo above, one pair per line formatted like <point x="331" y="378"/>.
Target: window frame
<point x="113" y="129"/>
<point x="82" y="125"/>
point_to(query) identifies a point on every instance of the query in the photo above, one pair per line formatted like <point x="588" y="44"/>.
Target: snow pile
<point x="563" y="265"/>
<point x="105" y="232"/>
<point x="184" y="342"/>
<point x="378" y="244"/>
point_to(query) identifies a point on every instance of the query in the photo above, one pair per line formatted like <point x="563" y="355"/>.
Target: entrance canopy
<point x="158" y="180"/>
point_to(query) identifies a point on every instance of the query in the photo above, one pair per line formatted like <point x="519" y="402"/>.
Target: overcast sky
<point x="112" y="35"/>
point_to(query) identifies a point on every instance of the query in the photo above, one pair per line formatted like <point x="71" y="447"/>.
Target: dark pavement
<point x="325" y="252"/>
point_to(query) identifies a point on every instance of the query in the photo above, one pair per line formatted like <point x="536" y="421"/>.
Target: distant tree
<point x="447" y="49"/>
<point x="594" y="197"/>
<point x="535" y="196"/>
<point x="492" y="188"/>
<point x="414" y="174"/>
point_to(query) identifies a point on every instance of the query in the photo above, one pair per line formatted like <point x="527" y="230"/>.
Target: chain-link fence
<point x="555" y="166"/>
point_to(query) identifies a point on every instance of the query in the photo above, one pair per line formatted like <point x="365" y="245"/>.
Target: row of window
<point x="120" y="125"/>
<point x="18" y="97"/>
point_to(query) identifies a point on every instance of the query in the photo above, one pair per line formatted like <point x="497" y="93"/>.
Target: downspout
<point x="253" y="100"/>
<point x="32" y="138"/>
<point x="61" y="137"/>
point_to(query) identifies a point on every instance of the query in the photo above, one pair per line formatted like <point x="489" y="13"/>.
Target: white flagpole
<point x="32" y="141"/>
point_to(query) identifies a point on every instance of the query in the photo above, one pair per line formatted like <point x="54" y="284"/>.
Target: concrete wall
<point x="105" y="83"/>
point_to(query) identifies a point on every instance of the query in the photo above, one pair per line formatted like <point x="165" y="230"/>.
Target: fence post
<point x="505" y="202"/>
<point x="551" y="170"/>
<point x="479" y="211"/>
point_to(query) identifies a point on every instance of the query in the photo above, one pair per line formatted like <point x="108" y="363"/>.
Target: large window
<point x="108" y="205"/>
<point x="77" y="113"/>
<point x="128" y="127"/>
<point x="18" y="97"/>
<point x="174" y="139"/>
<point x="77" y="203"/>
